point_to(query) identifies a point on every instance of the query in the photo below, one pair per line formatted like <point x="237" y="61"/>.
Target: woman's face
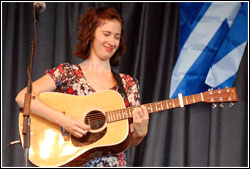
<point x="106" y="40"/>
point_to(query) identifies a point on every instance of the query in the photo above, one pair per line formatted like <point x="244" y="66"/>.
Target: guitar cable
<point x="12" y="143"/>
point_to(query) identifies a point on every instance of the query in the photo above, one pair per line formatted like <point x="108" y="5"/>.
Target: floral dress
<point x="70" y="79"/>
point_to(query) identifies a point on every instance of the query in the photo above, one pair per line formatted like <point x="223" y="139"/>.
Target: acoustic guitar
<point x="105" y="112"/>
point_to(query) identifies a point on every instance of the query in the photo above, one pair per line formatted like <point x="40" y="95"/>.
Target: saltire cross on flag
<point x="213" y="37"/>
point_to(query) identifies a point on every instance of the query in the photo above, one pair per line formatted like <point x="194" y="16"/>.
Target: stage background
<point x="195" y="136"/>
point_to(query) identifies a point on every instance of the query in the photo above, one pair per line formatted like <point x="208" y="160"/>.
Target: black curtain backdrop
<point x="194" y="136"/>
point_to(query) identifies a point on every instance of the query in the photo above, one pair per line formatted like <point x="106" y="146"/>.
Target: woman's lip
<point x="108" y="49"/>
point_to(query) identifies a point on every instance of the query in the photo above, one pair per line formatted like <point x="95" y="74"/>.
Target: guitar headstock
<point x="220" y="95"/>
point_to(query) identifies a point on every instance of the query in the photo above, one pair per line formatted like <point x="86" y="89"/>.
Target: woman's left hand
<point x="140" y="120"/>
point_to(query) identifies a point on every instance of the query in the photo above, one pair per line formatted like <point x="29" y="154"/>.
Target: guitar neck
<point x="126" y="113"/>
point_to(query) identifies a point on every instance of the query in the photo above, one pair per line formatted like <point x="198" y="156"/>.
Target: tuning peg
<point x="231" y="104"/>
<point x="214" y="105"/>
<point x="210" y="90"/>
<point x="222" y="105"/>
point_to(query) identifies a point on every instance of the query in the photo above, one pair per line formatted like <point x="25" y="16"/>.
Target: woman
<point x="101" y="43"/>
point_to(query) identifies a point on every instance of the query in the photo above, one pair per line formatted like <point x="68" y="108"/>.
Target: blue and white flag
<point x="213" y="38"/>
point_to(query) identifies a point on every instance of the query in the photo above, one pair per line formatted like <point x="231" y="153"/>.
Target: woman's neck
<point x="95" y="65"/>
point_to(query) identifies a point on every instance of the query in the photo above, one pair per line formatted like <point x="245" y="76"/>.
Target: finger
<point x="86" y="127"/>
<point x="78" y="135"/>
<point x="145" y="111"/>
<point x="82" y="128"/>
<point x="136" y="115"/>
<point x="141" y="112"/>
<point x="82" y="125"/>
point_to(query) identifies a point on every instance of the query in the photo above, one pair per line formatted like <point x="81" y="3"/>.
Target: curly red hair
<point x="87" y="25"/>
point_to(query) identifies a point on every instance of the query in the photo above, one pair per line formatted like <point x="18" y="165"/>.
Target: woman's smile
<point x="108" y="49"/>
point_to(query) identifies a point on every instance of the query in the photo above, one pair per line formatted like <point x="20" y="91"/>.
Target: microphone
<point x="39" y="6"/>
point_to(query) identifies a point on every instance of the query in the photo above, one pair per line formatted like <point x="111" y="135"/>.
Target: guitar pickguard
<point x="87" y="139"/>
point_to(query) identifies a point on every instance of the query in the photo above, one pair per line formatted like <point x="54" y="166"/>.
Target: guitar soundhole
<point x="95" y="119"/>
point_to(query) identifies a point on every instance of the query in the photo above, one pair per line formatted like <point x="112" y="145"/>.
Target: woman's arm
<point x="46" y="84"/>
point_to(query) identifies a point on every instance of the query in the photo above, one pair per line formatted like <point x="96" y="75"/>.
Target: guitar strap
<point x="120" y="84"/>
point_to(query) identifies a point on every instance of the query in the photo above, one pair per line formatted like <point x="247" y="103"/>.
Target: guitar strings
<point x="110" y="113"/>
<point x="100" y="118"/>
<point x="116" y="114"/>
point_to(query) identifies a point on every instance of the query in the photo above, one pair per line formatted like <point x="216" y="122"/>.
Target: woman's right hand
<point x="75" y="127"/>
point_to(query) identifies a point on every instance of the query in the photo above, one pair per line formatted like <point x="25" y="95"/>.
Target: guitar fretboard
<point x="126" y="113"/>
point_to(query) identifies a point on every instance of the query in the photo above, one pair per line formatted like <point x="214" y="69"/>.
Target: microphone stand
<point x="28" y="95"/>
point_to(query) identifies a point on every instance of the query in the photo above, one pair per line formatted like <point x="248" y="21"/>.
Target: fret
<point x="115" y="115"/>
<point x="198" y="97"/>
<point x="161" y="105"/>
<point x="177" y="103"/>
<point x="167" y="104"/>
<point x="148" y="108"/>
<point x="164" y="105"/>
<point x="170" y="104"/>
<point x="111" y="116"/>
<point x="122" y="114"/>
<point x="186" y="100"/>
<point x="156" y="108"/>
<point x="118" y="115"/>
<point x="202" y="97"/>
<point x="193" y="99"/>
<point x="108" y="115"/>
<point x="151" y="107"/>
<point x="173" y="103"/>
<point x="125" y="113"/>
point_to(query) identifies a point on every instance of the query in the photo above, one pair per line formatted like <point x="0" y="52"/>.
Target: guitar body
<point x="51" y="146"/>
